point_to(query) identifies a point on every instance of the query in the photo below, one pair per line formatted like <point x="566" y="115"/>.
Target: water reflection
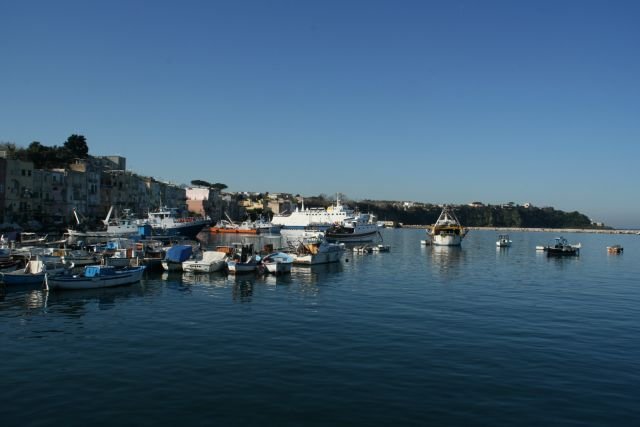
<point x="314" y="274"/>
<point x="446" y="259"/>
<point x="76" y="303"/>
<point x="276" y="280"/>
<point x="242" y="290"/>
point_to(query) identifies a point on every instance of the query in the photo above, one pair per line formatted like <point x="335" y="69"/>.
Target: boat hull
<point x="319" y="258"/>
<point x="447" y="240"/>
<point x="278" y="267"/>
<point x="235" y="267"/>
<point x="202" y="267"/>
<point x="120" y="278"/>
<point x="364" y="237"/>
<point x="189" y="230"/>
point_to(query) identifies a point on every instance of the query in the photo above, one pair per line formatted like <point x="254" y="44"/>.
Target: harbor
<point x="472" y="318"/>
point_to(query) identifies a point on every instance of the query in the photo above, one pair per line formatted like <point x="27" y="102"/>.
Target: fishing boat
<point x="243" y="260"/>
<point x="562" y="247"/>
<point x="211" y="261"/>
<point x="169" y="221"/>
<point x="314" y="250"/>
<point x="124" y="226"/>
<point x="447" y="230"/>
<point x="503" y="241"/>
<point x="95" y="276"/>
<point x="278" y="263"/>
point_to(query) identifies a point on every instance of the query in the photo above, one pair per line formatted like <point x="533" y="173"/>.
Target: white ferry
<point x="317" y="218"/>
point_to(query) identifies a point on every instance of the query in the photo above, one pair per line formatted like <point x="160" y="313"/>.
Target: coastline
<point x="545" y="230"/>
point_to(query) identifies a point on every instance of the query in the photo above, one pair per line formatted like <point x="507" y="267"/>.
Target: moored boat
<point x="33" y="273"/>
<point x="562" y="247"/>
<point x="447" y="230"/>
<point x="316" y="250"/>
<point x="124" y="226"/>
<point x="503" y="241"/>
<point x="243" y="260"/>
<point x="175" y="256"/>
<point x="318" y="218"/>
<point x="615" y="249"/>
<point x="211" y="261"/>
<point x="278" y="263"/>
<point x="356" y="229"/>
<point x="169" y="221"/>
<point x="95" y="276"/>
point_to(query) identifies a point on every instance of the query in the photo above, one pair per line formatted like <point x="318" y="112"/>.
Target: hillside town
<point x="86" y="189"/>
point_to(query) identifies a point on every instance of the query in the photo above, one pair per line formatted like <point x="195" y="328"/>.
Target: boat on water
<point x="447" y="230"/>
<point x="224" y="226"/>
<point x="33" y="273"/>
<point x="278" y="263"/>
<point x="243" y="260"/>
<point x="503" y="241"/>
<point x="95" y="276"/>
<point x="175" y="256"/>
<point x="312" y="250"/>
<point x="561" y="247"/>
<point x="210" y="262"/>
<point x="615" y="249"/>
<point x="357" y="229"/>
<point x="170" y="222"/>
<point x="124" y="226"/>
<point x="318" y="218"/>
<point x="259" y="226"/>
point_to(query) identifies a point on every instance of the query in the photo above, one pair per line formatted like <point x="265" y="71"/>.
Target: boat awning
<point x="179" y="253"/>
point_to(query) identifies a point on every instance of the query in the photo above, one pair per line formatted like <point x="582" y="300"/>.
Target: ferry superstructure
<point x="319" y="218"/>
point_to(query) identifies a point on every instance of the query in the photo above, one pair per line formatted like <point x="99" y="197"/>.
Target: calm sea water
<point x="418" y="336"/>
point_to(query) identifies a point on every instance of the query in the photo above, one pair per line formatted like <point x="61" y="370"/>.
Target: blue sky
<point x="432" y="101"/>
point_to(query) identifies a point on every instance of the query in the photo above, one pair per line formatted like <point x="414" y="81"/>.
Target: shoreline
<point x="544" y="230"/>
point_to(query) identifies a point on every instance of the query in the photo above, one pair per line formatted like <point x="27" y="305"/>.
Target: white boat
<point x="503" y="241"/>
<point x="33" y="273"/>
<point x="356" y="229"/>
<point x="320" y="218"/>
<point x="316" y="250"/>
<point x="124" y="226"/>
<point x="243" y="260"/>
<point x="211" y="261"/>
<point x="447" y="230"/>
<point x="278" y="263"/>
<point x="95" y="276"/>
<point x="168" y="221"/>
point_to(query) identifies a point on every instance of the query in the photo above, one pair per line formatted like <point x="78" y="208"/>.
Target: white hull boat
<point x="211" y="261"/>
<point x="314" y="251"/>
<point x="278" y="263"/>
<point x="503" y="241"/>
<point x="447" y="230"/>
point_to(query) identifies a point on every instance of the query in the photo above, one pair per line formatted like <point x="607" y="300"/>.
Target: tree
<point x="200" y="183"/>
<point x="76" y="145"/>
<point x="218" y="186"/>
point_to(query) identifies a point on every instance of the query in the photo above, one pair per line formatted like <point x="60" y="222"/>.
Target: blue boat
<point x="96" y="276"/>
